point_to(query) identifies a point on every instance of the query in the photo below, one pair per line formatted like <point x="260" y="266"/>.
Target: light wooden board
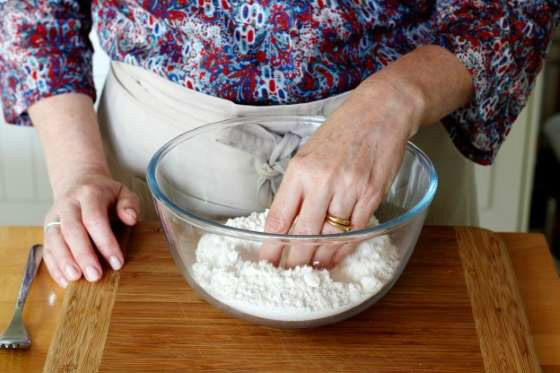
<point x="539" y="285"/>
<point x="79" y="341"/>
<point x="501" y="323"/>
<point x="425" y="323"/>
<point x="157" y="323"/>
<point x="43" y="305"/>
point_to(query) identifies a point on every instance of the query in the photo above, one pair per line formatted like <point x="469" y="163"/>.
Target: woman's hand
<point x="83" y="205"/>
<point x="347" y="166"/>
<point x="344" y="170"/>
<point x="85" y="196"/>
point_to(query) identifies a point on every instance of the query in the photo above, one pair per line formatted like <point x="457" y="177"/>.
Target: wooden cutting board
<point x="455" y="308"/>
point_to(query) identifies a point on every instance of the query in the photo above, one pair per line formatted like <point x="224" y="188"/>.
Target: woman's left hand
<point x="344" y="170"/>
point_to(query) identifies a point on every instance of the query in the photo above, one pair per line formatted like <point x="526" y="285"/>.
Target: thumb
<point x="128" y="206"/>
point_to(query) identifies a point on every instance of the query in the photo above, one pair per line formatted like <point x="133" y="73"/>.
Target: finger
<point x="323" y="256"/>
<point x="271" y="252"/>
<point x="366" y="206"/>
<point x="128" y="206"/>
<point x="280" y="217"/>
<point x="78" y="241"/>
<point x="341" y="206"/>
<point x="95" y="218"/>
<point x="310" y="221"/>
<point x="362" y="213"/>
<point x="61" y="254"/>
<point x="342" y="252"/>
<point x="53" y="269"/>
<point x="285" y="206"/>
<point x="371" y="196"/>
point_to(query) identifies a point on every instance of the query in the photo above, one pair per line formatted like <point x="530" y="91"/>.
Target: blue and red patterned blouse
<point x="268" y="52"/>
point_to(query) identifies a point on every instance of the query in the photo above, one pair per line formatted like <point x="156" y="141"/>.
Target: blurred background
<point x="520" y="192"/>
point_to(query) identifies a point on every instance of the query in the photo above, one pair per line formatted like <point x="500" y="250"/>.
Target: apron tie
<point x="268" y="182"/>
<point x="272" y="149"/>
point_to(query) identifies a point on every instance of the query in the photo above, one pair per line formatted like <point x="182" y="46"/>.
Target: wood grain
<point x="424" y="324"/>
<point x="43" y="304"/>
<point x="79" y="341"/>
<point x="538" y="283"/>
<point x="501" y="323"/>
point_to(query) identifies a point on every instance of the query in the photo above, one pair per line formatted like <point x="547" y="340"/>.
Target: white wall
<point x="24" y="189"/>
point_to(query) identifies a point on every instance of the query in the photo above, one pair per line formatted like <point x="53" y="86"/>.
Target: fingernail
<point x="92" y="274"/>
<point x="316" y="264"/>
<point x="131" y="213"/>
<point x="115" y="263"/>
<point x="71" y="273"/>
<point x="62" y="282"/>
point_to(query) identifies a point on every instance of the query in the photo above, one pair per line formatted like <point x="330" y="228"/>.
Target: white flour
<point x="229" y="270"/>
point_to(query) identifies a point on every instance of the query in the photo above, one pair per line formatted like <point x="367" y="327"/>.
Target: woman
<point x="381" y="71"/>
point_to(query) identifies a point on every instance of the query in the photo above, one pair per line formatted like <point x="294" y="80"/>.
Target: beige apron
<point x="140" y="111"/>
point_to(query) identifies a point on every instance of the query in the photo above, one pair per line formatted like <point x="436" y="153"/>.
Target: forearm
<point x="426" y="84"/>
<point x="68" y="130"/>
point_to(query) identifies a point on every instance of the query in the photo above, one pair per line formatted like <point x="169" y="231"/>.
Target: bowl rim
<point x="209" y="225"/>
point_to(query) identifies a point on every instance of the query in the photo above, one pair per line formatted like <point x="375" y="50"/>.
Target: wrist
<point x="428" y="83"/>
<point x="64" y="180"/>
<point x="403" y="101"/>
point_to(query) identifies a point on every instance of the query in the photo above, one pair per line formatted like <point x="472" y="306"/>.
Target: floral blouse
<point x="270" y="52"/>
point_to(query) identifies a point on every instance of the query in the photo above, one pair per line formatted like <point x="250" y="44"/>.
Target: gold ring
<point x="342" y="227"/>
<point x="337" y="220"/>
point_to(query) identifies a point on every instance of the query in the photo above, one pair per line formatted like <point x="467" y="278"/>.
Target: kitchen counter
<point x="538" y="283"/>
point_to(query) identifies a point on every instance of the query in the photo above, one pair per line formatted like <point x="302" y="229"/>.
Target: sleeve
<point x="503" y="44"/>
<point x="44" y="51"/>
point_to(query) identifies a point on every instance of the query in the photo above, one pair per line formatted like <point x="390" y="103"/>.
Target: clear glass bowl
<point x="198" y="182"/>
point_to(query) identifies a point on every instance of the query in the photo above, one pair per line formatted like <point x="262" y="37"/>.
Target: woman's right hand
<point x="83" y="205"/>
<point x="85" y="195"/>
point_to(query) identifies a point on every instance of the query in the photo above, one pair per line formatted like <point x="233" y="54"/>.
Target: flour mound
<point x="229" y="269"/>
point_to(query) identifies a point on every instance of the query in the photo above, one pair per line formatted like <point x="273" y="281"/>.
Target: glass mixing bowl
<point x="199" y="179"/>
